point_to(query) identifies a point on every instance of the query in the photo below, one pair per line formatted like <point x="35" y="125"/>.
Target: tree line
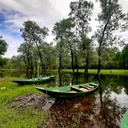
<point x="72" y="46"/>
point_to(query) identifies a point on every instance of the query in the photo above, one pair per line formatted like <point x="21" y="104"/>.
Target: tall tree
<point x="60" y="31"/>
<point x="3" y="46"/>
<point x="34" y="35"/>
<point x="81" y="15"/>
<point x="110" y="19"/>
<point x="27" y="55"/>
<point x="69" y="39"/>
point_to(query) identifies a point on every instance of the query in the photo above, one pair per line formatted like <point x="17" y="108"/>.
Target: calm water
<point x="102" y="109"/>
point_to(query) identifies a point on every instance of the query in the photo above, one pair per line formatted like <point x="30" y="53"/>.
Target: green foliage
<point x="124" y="57"/>
<point x="81" y="15"/>
<point x="3" y="61"/>
<point x="117" y="60"/>
<point x="35" y="52"/>
<point x="3" y="49"/>
<point x="108" y="58"/>
<point x="15" y="62"/>
<point x="110" y="19"/>
<point x="62" y="32"/>
<point x="62" y="29"/>
<point x="3" y="46"/>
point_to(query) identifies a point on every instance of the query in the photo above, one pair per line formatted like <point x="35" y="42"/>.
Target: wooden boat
<point x="68" y="92"/>
<point x="124" y="122"/>
<point x="35" y="80"/>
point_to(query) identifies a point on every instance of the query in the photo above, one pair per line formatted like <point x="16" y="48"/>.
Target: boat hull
<point x="124" y="122"/>
<point x="34" y="80"/>
<point x="68" y="92"/>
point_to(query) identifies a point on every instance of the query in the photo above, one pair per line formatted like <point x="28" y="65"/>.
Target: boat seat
<point x="84" y="89"/>
<point x="56" y="90"/>
<point x="76" y="89"/>
<point x="93" y="85"/>
<point x="88" y="87"/>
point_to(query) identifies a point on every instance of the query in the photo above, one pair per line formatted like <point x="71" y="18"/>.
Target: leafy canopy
<point x="3" y="46"/>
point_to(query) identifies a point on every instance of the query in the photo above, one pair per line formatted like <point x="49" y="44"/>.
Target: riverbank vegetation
<point x="21" y="106"/>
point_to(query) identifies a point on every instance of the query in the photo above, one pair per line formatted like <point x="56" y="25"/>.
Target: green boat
<point x="35" y="80"/>
<point x="124" y="122"/>
<point x="68" y="92"/>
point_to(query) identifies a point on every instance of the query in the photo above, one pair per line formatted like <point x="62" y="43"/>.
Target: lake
<point x="102" y="109"/>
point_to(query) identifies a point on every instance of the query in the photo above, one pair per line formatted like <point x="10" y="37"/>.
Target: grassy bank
<point x="17" y="114"/>
<point x="103" y="71"/>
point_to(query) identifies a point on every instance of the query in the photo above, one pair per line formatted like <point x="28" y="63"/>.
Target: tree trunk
<point x="100" y="43"/>
<point x="60" y="58"/>
<point x="86" y="70"/>
<point x="72" y="59"/>
<point x="99" y="61"/>
<point x="76" y="61"/>
<point x="60" y="63"/>
<point x="35" y="69"/>
<point x="99" y="67"/>
<point x="86" y="66"/>
<point x="59" y="78"/>
<point x="40" y="56"/>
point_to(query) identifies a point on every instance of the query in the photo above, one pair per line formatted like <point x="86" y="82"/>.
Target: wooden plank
<point x="75" y="88"/>
<point x="84" y="89"/>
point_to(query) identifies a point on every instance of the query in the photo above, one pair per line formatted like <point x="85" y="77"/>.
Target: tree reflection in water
<point x="97" y="110"/>
<point x="109" y="109"/>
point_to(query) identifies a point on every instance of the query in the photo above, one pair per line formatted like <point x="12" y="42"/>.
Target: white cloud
<point x="13" y="45"/>
<point x="45" y="12"/>
<point x="124" y="4"/>
<point x="121" y="98"/>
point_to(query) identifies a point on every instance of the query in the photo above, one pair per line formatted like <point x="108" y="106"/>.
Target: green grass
<point x="20" y="118"/>
<point x="27" y="118"/>
<point x="103" y="71"/>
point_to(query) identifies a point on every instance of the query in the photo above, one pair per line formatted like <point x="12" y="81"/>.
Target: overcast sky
<point x="44" y="12"/>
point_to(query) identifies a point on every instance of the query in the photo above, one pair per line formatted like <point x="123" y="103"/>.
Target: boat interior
<point x="81" y="88"/>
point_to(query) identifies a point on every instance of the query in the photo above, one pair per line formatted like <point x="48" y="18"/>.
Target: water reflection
<point x="102" y="109"/>
<point x="121" y="98"/>
<point x="73" y="113"/>
<point x="86" y="112"/>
